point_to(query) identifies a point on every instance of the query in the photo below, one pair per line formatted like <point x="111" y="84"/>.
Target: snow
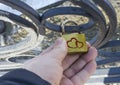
<point x="36" y="4"/>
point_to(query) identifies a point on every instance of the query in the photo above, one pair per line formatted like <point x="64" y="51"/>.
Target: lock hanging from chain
<point x="76" y="42"/>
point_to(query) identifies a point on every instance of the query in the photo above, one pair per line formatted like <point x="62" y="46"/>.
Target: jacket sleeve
<point x="22" y="77"/>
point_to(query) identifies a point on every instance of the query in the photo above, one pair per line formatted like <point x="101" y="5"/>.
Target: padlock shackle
<point x="64" y="23"/>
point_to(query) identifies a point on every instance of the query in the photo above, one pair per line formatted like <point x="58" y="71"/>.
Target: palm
<point x="78" y="68"/>
<point x="72" y="69"/>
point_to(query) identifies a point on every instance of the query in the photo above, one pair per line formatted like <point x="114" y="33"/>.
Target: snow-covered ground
<point x="36" y="4"/>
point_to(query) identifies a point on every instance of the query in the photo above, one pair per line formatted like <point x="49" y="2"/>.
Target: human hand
<point x="58" y="68"/>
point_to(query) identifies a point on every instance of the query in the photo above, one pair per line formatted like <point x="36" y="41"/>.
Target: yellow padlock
<point x="76" y="42"/>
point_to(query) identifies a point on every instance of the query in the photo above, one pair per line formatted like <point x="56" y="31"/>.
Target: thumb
<point x="59" y="50"/>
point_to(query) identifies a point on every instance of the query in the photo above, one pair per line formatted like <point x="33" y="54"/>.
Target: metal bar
<point x="109" y="54"/>
<point x="109" y="60"/>
<point x="105" y="80"/>
<point x="108" y="71"/>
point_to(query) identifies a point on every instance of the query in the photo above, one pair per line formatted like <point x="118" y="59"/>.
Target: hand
<point x="58" y="68"/>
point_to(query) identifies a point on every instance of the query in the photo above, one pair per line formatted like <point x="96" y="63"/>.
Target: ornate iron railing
<point x="96" y="18"/>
